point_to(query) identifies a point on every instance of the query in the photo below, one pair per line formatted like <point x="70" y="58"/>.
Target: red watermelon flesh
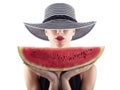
<point x="59" y="59"/>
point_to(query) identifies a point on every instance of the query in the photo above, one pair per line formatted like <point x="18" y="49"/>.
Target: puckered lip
<point x="59" y="38"/>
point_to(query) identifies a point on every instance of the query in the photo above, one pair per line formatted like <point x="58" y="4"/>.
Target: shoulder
<point x="90" y="72"/>
<point x="30" y="73"/>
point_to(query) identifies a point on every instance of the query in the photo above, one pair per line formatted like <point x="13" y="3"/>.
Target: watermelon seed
<point x="61" y="58"/>
<point x="58" y="57"/>
<point x="35" y="54"/>
<point x="45" y="55"/>
<point x="75" y="56"/>
<point x="90" y="49"/>
<point x="70" y="59"/>
<point x="64" y="57"/>
<point x="84" y="55"/>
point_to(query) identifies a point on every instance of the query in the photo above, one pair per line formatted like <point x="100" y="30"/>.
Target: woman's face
<point x="60" y="36"/>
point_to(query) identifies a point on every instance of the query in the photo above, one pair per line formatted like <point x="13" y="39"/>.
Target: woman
<point x="60" y="28"/>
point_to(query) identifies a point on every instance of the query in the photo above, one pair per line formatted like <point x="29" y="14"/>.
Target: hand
<point x="67" y="75"/>
<point x="51" y="76"/>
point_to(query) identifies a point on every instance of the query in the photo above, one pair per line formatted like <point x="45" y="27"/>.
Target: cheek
<point x="71" y="33"/>
<point x="51" y="37"/>
<point x="69" y="36"/>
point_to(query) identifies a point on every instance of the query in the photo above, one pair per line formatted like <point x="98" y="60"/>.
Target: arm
<point x="31" y="79"/>
<point x="89" y="78"/>
<point x="66" y="77"/>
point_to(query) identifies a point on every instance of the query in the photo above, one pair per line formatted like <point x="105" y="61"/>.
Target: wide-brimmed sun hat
<point x="60" y="16"/>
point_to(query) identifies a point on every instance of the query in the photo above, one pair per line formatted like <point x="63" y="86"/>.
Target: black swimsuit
<point x="75" y="83"/>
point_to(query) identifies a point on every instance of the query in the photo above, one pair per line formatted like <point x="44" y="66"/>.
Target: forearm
<point x="89" y="78"/>
<point x="53" y="86"/>
<point x="87" y="88"/>
<point x="31" y="80"/>
<point x="65" y="84"/>
<point x="33" y="88"/>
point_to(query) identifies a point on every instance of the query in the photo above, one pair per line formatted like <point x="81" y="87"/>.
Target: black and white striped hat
<point x="60" y="16"/>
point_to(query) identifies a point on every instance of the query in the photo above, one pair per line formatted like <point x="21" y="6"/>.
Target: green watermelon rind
<point x="58" y="69"/>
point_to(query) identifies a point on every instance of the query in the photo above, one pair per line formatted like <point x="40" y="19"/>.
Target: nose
<point x="60" y="31"/>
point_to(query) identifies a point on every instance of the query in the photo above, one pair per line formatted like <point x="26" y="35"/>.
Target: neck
<point x="60" y="46"/>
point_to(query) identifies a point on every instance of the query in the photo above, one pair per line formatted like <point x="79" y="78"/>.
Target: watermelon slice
<point x="59" y="59"/>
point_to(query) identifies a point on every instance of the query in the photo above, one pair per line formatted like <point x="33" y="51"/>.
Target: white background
<point x="13" y="33"/>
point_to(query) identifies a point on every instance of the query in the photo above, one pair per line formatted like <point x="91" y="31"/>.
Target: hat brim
<point x="81" y="28"/>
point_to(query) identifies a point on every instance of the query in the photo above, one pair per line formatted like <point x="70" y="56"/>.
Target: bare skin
<point x="57" y="80"/>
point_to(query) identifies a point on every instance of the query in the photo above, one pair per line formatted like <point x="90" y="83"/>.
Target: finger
<point x="72" y="73"/>
<point x="51" y="76"/>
